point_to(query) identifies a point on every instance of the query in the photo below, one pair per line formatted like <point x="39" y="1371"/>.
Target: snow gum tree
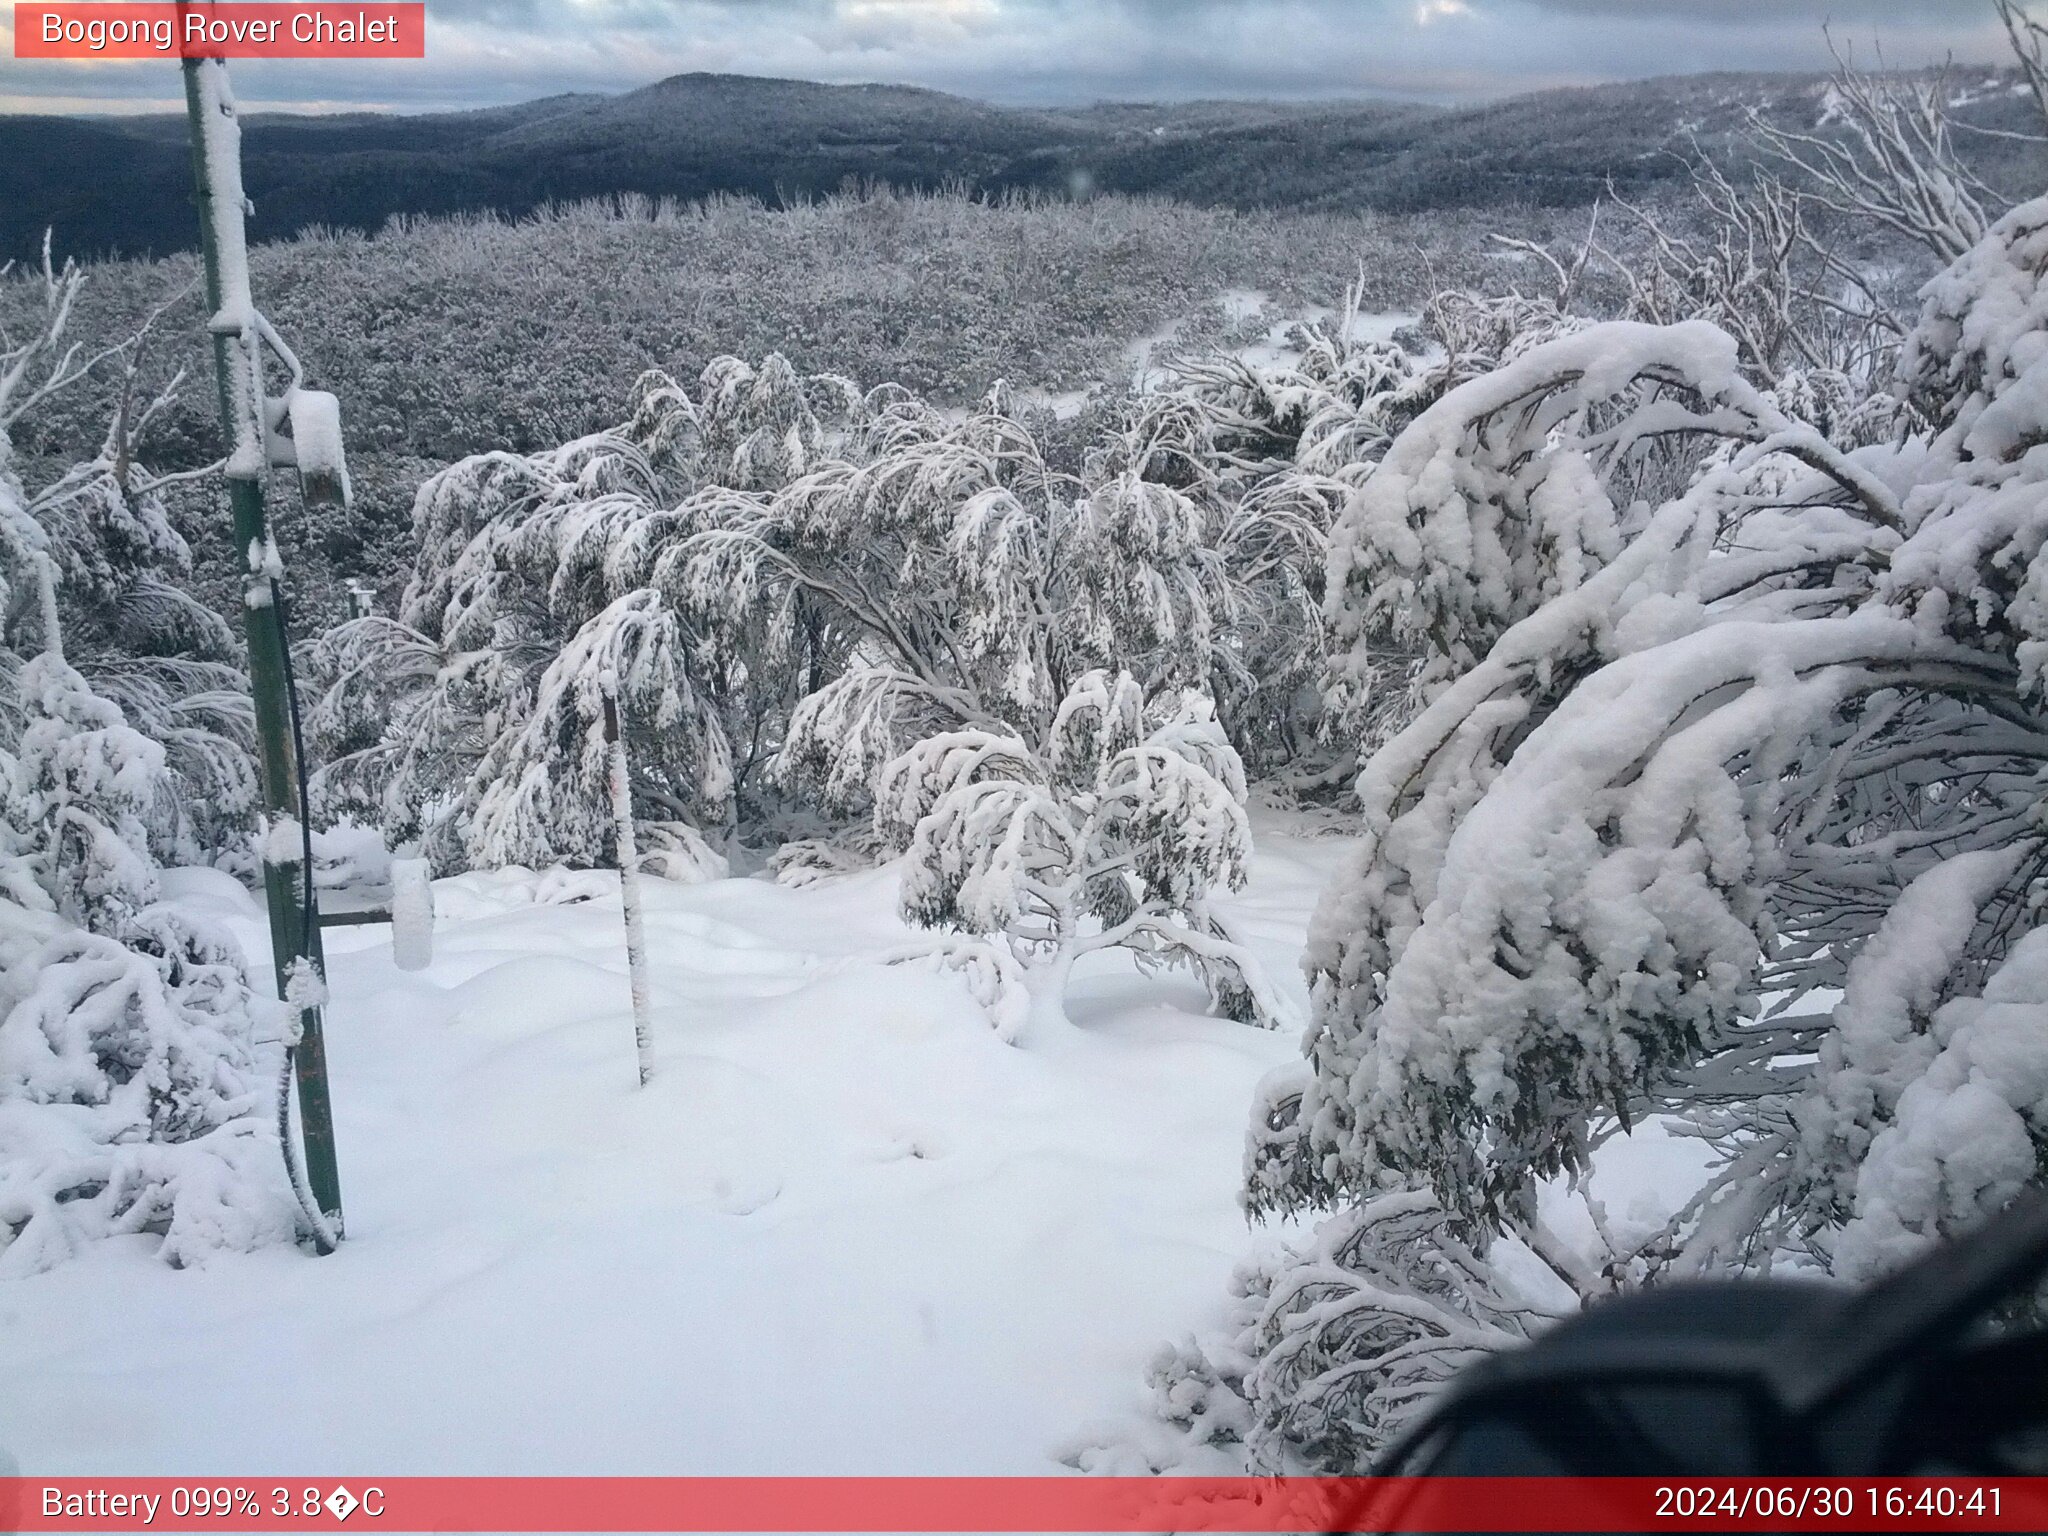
<point x="1724" y="810"/>
<point x="1115" y="832"/>
<point x="790" y="583"/>
<point x="93" y="572"/>
<point x="962" y="582"/>
<point x="473" y="721"/>
<point x="133" y="1092"/>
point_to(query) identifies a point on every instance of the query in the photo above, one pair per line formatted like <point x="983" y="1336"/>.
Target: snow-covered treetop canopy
<point x="1726" y="718"/>
<point x="809" y="580"/>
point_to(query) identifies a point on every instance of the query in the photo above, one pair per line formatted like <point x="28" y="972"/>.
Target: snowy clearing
<point x="845" y="1231"/>
<point x="1278" y="348"/>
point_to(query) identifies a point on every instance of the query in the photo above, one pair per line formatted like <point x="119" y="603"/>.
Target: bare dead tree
<point x="1894" y="162"/>
<point x="1758" y="270"/>
<point x="2029" y="40"/>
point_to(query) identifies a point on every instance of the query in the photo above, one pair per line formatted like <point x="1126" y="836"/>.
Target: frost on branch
<point x="1116" y="833"/>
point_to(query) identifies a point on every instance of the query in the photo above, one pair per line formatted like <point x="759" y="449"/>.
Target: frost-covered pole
<point x="238" y="362"/>
<point x="629" y="882"/>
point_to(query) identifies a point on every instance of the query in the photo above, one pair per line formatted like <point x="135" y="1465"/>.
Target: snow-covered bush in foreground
<point x="1726" y="809"/>
<point x="1327" y="1351"/>
<point x="132" y="1099"/>
<point x="1115" y="833"/>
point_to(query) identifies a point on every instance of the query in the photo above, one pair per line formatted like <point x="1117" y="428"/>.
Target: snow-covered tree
<point x="764" y="427"/>
<point x="132" y="1083"/>
<point x="85" y="784"/>
<point x="1332" y="401"/>
<point x="963" y="582"/>
<point x="1886" y="152"/>
<point x="93" y="570"/>
<point x="1752" y="264"/>
<point x="1724" y="808"/>
<point x="544" y="795"/>
<point x="1116" y="832"/>
<point x="949" y="578"/>
<point x="472" y="722"/>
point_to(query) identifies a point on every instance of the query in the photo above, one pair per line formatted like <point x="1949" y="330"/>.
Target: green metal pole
<point x="294" y="921"/>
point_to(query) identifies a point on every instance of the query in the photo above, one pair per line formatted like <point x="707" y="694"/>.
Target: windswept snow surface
<point x="845" y="1230"/>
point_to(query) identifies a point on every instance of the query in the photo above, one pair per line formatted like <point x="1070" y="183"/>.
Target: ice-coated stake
<point x="629" y="882"/>
<point x="239" y="336"/>
<point x="412" y="912"/>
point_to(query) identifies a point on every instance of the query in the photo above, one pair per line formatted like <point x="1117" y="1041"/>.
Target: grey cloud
<point x="1061" y="51"/>
<point x="1839" y="12"/>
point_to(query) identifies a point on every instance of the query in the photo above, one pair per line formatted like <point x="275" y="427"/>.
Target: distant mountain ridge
<point x="120" y="185"/>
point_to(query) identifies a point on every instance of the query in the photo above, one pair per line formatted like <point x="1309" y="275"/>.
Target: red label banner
<point x="242" y="29"/>
<point x="1009" y="1504"/>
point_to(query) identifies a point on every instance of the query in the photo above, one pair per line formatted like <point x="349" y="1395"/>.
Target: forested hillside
<point x="457" y="336"/>
<point x="782" y="140"/>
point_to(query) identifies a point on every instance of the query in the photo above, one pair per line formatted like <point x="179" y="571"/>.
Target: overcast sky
<point x="481" y="52"/>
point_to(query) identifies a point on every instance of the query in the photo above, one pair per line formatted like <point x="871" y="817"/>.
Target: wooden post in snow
<point x="629" y="883"/>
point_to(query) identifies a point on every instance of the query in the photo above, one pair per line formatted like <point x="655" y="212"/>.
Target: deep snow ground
<point x="846" y="1230"/>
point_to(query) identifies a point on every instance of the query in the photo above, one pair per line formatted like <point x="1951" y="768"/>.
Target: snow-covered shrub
<point x="1329" y="1348"/>
<point x="132" y="1094"/>
<point x="968" y="584"/>
<point x="1278" y="447"/>
<point x="1754" y="266"/>
<point x="1333" y="402"/>
<point x="86" y="780"/>
<point x="134" y="1097"/>
<point x="788" y="583"/>
<point x="1510" y="491"/>
<point x="1725" y="807"/>
<point x="542" y="790"/>
<point x="1114" y="833"/>
<point x="762" y="428"/>
<point x="951" y="579"/>
<point x="119" y="737"/>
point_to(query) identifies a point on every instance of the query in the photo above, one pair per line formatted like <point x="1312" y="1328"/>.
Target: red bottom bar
<point x="1109" y="1504"/>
